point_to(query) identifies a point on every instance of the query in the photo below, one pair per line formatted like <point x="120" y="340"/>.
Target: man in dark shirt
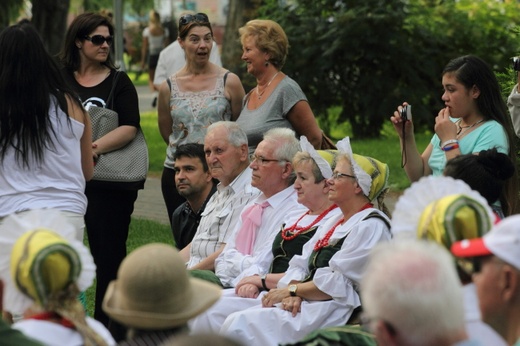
<point x="194" y="182"/>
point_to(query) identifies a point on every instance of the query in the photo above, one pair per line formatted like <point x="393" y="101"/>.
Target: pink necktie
<point x="251" y="220"/>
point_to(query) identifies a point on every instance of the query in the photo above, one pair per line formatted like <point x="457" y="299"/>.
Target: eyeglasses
<point x="337" y="175"/>
<point x="261" y="160"/>
<point x="98" y="40"/>
<point x="188" y="18"/>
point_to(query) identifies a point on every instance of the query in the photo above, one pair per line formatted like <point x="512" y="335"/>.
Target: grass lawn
<point x="141" y="232"/>
<point x="138" y="78"/>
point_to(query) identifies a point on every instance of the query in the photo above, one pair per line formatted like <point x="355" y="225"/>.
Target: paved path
<point x="150" y="204"/>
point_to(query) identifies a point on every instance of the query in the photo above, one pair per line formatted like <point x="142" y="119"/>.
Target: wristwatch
<point x="292" y="290"/>
<point x="264" y="286"/>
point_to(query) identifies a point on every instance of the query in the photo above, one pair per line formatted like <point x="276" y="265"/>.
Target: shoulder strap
<point x="379" y="216"/>
<point x="110" y="99"/>
<point x="169" y="83"/>
<point x="225" y="77"/>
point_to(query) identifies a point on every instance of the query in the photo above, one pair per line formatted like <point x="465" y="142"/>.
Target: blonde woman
<point x="277" y="100"/>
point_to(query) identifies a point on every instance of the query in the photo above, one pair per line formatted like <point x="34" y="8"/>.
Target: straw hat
<point x="154" y="291"/>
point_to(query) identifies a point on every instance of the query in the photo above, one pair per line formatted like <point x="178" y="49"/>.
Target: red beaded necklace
<point x="321" y="243"/>
<point x="49" y="316"/>
<point x="297" y="230"/>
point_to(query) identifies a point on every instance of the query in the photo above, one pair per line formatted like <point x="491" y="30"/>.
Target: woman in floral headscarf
<point x="446" y="210"/>
<point x="319" y="288"/>
<point x="44" y="268"/>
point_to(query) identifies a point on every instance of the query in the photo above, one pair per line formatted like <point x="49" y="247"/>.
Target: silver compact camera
<point x="406" y="113"/>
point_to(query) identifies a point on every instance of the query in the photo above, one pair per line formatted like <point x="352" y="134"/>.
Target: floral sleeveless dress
<point x="193" y="112"/>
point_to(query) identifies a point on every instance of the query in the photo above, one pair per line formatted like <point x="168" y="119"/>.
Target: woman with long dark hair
<point x="88" y="66"/>
<point x="45" y="134"/>
<point x="475" y="118"/>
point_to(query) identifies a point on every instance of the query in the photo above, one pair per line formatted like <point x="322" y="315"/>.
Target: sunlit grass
<point x="138" y="78"/>
<point x="156" y="145"/>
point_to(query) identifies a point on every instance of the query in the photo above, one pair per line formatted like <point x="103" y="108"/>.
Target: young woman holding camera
<point x="474" y="119"/>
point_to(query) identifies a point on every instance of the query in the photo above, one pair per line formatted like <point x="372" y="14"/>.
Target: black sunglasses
<point x="98" y="40"/>
<point x="188" y="18"/>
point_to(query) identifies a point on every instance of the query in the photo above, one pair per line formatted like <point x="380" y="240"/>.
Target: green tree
<point x="240" y="12"/>
<point x="9" y="10"/>
<point x="50" y="18"/>
<point x="367" y="57"/>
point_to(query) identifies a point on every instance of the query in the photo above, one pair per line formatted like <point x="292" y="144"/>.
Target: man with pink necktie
<point x="273" y="175"/>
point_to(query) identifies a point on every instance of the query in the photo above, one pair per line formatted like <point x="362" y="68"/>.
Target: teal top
<point x="487" y="136"/>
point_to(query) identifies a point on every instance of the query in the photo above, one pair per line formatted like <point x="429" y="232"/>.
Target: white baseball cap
<point x="502" y="241"/>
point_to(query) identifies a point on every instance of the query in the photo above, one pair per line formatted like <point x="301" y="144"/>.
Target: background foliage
<point x="355" y="60"/>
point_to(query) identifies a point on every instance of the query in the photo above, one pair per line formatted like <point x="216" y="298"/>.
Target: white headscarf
<point x="364" y="180"/>
<point x="322" y="164"/>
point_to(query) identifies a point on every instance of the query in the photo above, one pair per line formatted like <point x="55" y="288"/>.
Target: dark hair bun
<point x="496" y="163"/>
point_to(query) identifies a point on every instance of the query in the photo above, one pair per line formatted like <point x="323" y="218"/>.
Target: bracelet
<point x="263" y="278"/>
<point x="454" y="146"/>
<point x="449" y="141"/>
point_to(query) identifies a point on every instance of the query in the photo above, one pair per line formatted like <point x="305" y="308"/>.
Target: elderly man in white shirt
<point x="273" y="175"/>
<point x="225" y="146"/>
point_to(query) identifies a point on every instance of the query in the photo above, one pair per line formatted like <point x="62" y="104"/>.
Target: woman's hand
<point x="397" y="121"/>
<point x="275" y="296"/>
<point x="444" y="127"/>
<point x="292" y="304"/>
<point x="95" y="155"/>
<point x="248" y="291"/>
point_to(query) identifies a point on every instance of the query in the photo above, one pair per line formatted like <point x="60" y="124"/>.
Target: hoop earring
<point x="266" y="63"/>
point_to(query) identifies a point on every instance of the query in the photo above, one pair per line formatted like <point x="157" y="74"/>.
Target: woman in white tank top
<point x="45" y="141"/>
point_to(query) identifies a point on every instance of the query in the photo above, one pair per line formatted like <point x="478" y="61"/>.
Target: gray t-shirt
<point x="272" y="113"/>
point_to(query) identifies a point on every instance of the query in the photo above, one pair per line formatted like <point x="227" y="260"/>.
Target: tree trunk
<point x="240" y="11"/>
<point x="50" y="19"/>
